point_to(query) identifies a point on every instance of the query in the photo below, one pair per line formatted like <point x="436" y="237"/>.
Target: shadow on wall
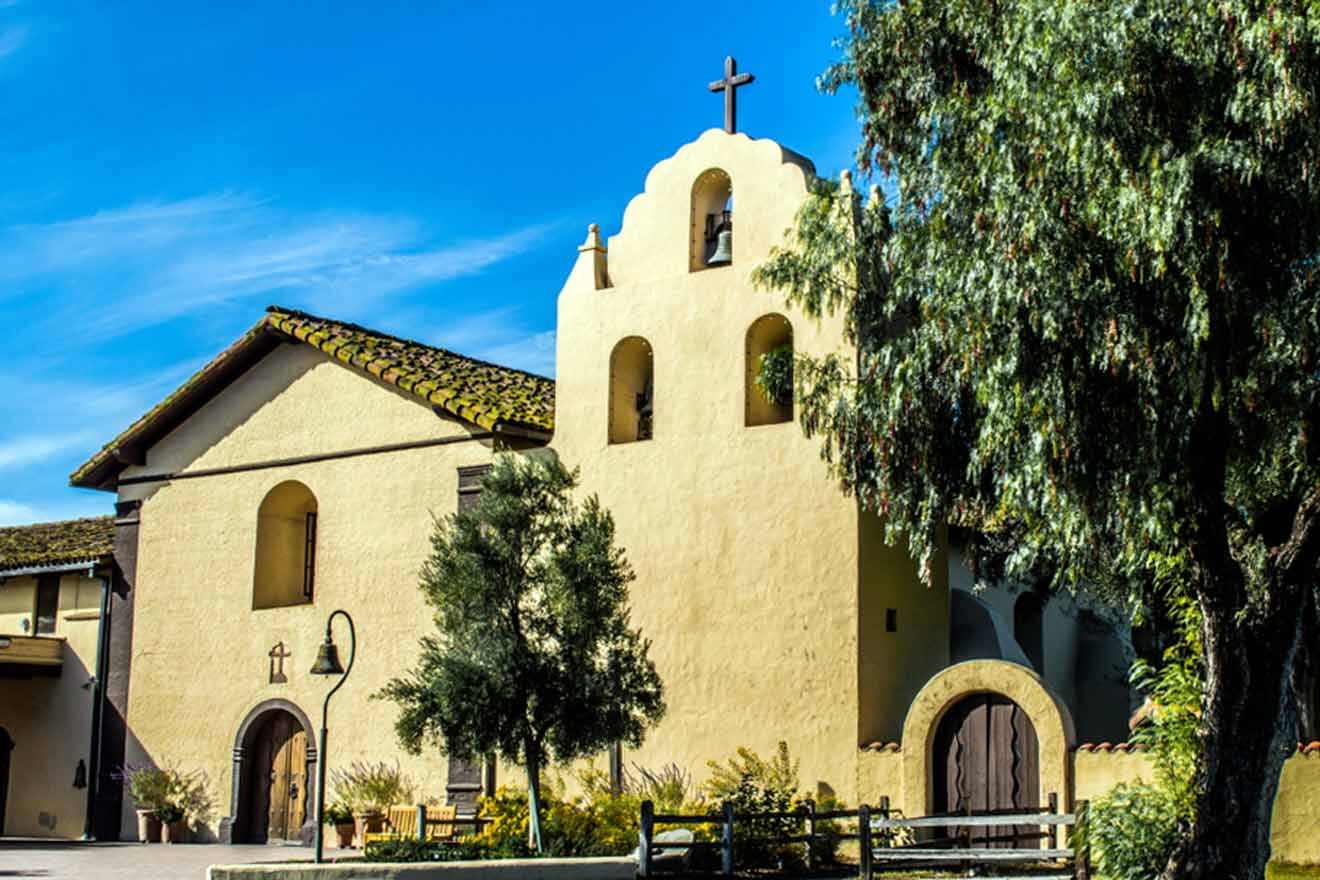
<point x="48" y="719"/>
<point x="1095" y="660"/>
<point x="199" y="823"/>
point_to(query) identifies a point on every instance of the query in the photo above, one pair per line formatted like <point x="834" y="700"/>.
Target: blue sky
<point x="169" y="169"/>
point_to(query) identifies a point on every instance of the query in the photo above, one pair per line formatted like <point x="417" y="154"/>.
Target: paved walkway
<point x="70" y="860"/>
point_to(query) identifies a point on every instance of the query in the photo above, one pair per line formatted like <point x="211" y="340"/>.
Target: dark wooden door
<point x="987" y="759"/>
<point x="464" y="786"/>
<point x="277" y="789"/>
<point x="6" y="747"/>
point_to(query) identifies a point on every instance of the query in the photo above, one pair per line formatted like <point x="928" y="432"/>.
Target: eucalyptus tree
<point x="1086" y="317"/>
<point x="532" y="657"/>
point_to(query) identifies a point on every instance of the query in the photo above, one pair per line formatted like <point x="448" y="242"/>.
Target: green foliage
<point x="367" y="787"/>
<point x="1084" y="315"/>
<point x="533" y="657"/>
<point x="409" y="849"/>
<point x="338" y="813"/>
<point x="758" y="785"/>
<point x="774" y="375"/>
<point x="1131" y="832"/>
<point x="596" y="823"/>
<point x="779" y="774"/>
<point x="1174" y="691"/>
<point x="170" y="794"/>
<point x="149" y="787"/>
<point x="670" y="788"/>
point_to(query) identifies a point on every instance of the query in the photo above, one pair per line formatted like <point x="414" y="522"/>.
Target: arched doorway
<point x="6" y="747"/>
<point x="274" y="771"/>
<point x="986" y="758"/>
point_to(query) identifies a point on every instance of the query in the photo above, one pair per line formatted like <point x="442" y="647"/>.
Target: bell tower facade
<point x="748" y="557"/>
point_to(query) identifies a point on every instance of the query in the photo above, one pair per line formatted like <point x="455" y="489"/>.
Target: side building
<point x="57" y="583"/>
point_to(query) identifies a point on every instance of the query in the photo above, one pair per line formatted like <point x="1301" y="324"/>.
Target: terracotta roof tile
<point x="55" y="543"/>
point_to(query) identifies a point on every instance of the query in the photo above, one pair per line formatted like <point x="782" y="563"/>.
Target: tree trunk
<point x="1306" y="672"/>
<point x="1247" y="731"/>
<point x="533" y="797"/>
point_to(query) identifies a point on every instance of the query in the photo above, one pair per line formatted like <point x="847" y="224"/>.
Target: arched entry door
<point x="986" y="758"/>
<point x="276" y="785"/>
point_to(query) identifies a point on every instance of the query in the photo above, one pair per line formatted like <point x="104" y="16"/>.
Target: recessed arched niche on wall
<point x="712" y="214"/>
<point x="769" y="341"/>
<point x="632" y="390"/>
<point x="285" y="570"/>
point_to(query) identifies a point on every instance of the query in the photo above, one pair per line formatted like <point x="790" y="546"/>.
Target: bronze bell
<point x="327" y="659"/>
<point x="723" y="255"/>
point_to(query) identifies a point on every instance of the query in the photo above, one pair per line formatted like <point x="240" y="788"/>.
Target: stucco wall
<point x="50" y="719"/>
<point x="200" y="651"/>
<point x="746" y="553"/>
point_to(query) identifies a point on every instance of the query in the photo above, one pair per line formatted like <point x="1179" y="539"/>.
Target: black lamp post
<point x="327" y="663"/>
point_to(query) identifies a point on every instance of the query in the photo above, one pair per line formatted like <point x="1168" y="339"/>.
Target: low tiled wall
<point x="503" y="869"/>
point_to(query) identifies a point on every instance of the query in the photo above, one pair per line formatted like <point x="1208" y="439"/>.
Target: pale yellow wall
<point x="894" y="665"/>
<point x="18" y="603"/>
<point x="50" y="721"/>
<point x="200" y="650"/>
<point x="746" y="553"/>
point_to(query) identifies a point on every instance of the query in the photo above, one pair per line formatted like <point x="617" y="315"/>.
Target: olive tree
<point x="532" y="657"/>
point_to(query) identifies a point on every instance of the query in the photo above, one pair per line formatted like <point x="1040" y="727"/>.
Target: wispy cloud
<point x="14" y="513"/>
<point x="151" y="262"/>
<point x="20" y="513"/>
<point x="12" y="38"/>
<point x="21" y="451"/>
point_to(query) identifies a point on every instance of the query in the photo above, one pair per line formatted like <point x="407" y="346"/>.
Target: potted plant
<point x="369" y="790"/>
<point x="149" y="789"/>
<point x="339" y="816"/>
<point x="173" y="824"/>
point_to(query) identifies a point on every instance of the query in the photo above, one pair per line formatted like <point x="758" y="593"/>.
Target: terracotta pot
<point x="344" y="834"/>
<point x="364" y="824"/>
<point x="174" y="832"/>
<point x="148" y="827"/>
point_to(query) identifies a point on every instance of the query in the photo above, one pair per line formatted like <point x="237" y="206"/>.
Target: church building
<point x="299" y="472"/>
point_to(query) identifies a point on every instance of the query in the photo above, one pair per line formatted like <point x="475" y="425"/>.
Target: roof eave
<point x="102" y="470"/>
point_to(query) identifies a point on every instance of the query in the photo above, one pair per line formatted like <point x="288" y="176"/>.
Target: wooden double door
<point x="987" y="759"/>
<point x="277" y="781"/>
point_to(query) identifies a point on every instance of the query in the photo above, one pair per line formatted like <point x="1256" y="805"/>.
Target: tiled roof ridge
<point x="882" y="747"/>
<point x="59" y="542"/>
<point x="370" y="331"/>
<point x="485" y="394"/>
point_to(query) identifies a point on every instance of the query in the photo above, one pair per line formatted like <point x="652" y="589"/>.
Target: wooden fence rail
<point x="876" y="847"/>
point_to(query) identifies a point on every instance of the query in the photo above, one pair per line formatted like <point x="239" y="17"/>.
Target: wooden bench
<point x="1072" y="865"/>
<point x="400" y="821"/>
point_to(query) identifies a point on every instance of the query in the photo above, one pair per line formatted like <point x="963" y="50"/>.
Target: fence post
<point x="646" y="835"/>
<point x="728" y="839"/>
<point x="1082" y="853"/>
<point x="810" y="807"/>
<point x="421" y="822"/>
<point x="864" y="842"/>
<point x="1054" y="829"/>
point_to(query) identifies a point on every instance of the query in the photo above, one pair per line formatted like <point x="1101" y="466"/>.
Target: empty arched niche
<point x="769" y="343"/>
<point x="286" y="547"/>
<point x="632" y="390"/>
<point x="712" y="212"/>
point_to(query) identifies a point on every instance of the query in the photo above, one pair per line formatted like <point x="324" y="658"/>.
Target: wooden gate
<point x="278" y="790"/>
<point x="987" y="759"/>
